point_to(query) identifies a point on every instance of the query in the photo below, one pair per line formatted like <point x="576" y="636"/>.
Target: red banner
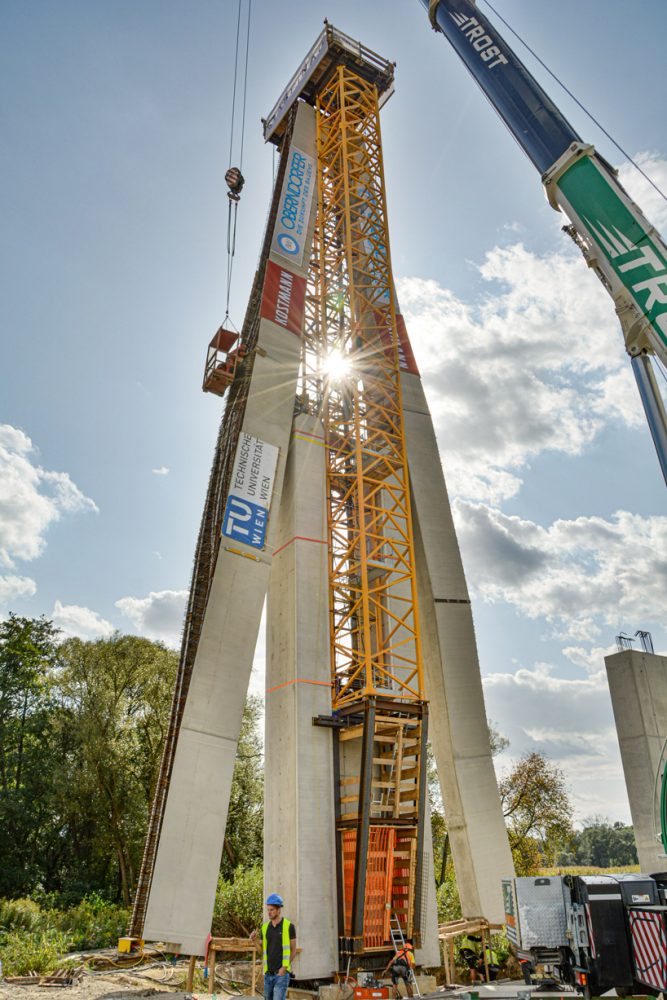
<point x="284" y="298"/>
<point x="406" y="358"/>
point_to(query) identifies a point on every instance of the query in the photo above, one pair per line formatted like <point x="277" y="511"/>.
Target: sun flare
<point x="335" y="364"/>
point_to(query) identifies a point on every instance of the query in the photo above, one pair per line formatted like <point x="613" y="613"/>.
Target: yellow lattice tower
<point x="351" y="378"/>
<point x="376" y="648"/>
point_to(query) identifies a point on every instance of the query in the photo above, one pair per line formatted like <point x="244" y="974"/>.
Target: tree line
<point x="82" y="724"/>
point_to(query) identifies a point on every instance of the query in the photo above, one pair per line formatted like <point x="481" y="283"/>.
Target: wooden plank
<point x="399" y="766"/>
<point x="353" y="733"/>
<point x="189" y="982"/>
<point x="211" y="968"/>
<point x="398" y="721"/>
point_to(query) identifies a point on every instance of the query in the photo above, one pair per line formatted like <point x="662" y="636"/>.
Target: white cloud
<point x="578" y="574"/>
<point x="571" y="721"/>
<point x="31" y="498"/>
<point x="648" y="199"/>
<point x="158" y="616"/>
<point x="162" y="470"/>
<point x="74" y="620"/>
<point x="520" y="372"/>
<point x="13" y="587"/>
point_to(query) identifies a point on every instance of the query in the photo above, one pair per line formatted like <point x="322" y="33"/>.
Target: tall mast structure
<point x="376" y="658"/>
<point x="327" y="490"/>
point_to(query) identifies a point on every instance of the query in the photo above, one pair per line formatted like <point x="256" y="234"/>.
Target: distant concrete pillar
<point x="299" y="818"/>
<point x="458" y="724"/>
<point x="638" y="687"/>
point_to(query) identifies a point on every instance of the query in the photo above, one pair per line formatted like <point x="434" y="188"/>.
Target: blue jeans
<point x="275" y="987"/>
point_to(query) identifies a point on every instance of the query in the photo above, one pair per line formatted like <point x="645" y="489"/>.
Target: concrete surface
<point x="638" y="688"/>
<point x="299" y="818"/>
<point x="458" y="725"/>
<point x="182" y="894"/>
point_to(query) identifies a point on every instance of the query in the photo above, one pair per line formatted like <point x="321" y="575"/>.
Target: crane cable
<point x="233" y="195"/>
<point x="577" y="101"/>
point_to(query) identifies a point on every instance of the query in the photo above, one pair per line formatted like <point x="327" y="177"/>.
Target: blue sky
<point x="116" y="126"/>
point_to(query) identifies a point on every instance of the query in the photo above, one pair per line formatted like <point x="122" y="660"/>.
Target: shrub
<point x="92" y="923"/>
<point x="447" y="895"/>
<point x="238" y="903"/>
<point x="23" y="952"/>
<point x="21" y="915"/>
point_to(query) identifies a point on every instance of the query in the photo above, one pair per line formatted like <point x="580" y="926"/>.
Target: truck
<point x="591" y="932"/>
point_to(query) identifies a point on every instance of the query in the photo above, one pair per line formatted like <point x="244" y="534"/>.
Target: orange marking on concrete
<point x="298" y="680"/>
<point x="299" y="538"/>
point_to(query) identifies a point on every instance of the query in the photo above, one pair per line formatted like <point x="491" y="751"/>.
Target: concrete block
<point x="638" y="688"/>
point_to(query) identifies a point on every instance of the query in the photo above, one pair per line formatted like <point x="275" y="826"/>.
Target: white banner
<point x="249" y="498"/>
<point x="291" y="227"/>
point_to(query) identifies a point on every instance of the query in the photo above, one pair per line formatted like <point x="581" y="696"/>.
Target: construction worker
<point x="493" y="962"/>
<point x="278" y="949"/>
<point x="401" y="964"/>
<point x="469" y="949"/>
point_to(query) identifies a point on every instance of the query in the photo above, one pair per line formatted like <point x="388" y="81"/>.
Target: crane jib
<point x="538" y="126"/>
<point x="637" y="257"/>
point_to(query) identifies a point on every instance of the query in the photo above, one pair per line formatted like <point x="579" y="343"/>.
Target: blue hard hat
<point x="275" y="900"/>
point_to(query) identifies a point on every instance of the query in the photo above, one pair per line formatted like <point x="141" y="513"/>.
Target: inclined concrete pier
<point x="299" y="816"/>
<point x="458" y="724"/>
<point x="185" y="876"/>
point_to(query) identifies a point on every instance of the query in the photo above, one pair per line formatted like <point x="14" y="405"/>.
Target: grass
<point x="34" y="938"/>
<point x="588" y="870"/>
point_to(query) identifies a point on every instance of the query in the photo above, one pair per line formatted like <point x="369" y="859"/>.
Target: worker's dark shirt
<point x="274" y="945"/>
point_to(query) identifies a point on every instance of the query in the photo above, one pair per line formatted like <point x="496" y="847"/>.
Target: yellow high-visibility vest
<point x="286" y="945"/>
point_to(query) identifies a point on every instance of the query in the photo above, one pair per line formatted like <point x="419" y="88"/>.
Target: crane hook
<point x="235" y="181"/>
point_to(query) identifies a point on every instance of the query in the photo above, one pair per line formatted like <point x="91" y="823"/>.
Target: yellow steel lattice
<point x="352" y="355"/>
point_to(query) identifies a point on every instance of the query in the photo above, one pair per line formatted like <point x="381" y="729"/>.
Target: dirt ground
<point x="108" y="986"/>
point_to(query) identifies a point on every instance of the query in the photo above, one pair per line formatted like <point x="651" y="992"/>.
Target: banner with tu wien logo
<point x="249" y="498"/>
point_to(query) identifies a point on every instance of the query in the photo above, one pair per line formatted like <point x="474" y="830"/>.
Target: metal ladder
<point x="398" y="942"/>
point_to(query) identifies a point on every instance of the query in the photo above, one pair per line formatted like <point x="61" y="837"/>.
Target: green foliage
<point x="447" y="895"/>
<point x="244" y="835"/>
<point x="537" y="810"/>
<point x="92" y="923"/>
<point x="82" y="726"/>
<point x="115" y="696"/>
<point x="602" y="844"/>
<point x="34" y="938"/>
<point x="502" y="947"/>
<point x="238" y="903"/>
<point x="23" y="952"/>
<point x="497" y="741"/>
<point x="20" y="915"/>
<point x="27" y="750"/>
<point x="81" y="731"/>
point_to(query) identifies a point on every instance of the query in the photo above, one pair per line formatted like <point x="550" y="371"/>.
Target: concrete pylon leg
<point x="185" y="874"/>
<point x="458" y="729"/>
<point x="638" y="687"/>
<point x="299" y="820"/>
